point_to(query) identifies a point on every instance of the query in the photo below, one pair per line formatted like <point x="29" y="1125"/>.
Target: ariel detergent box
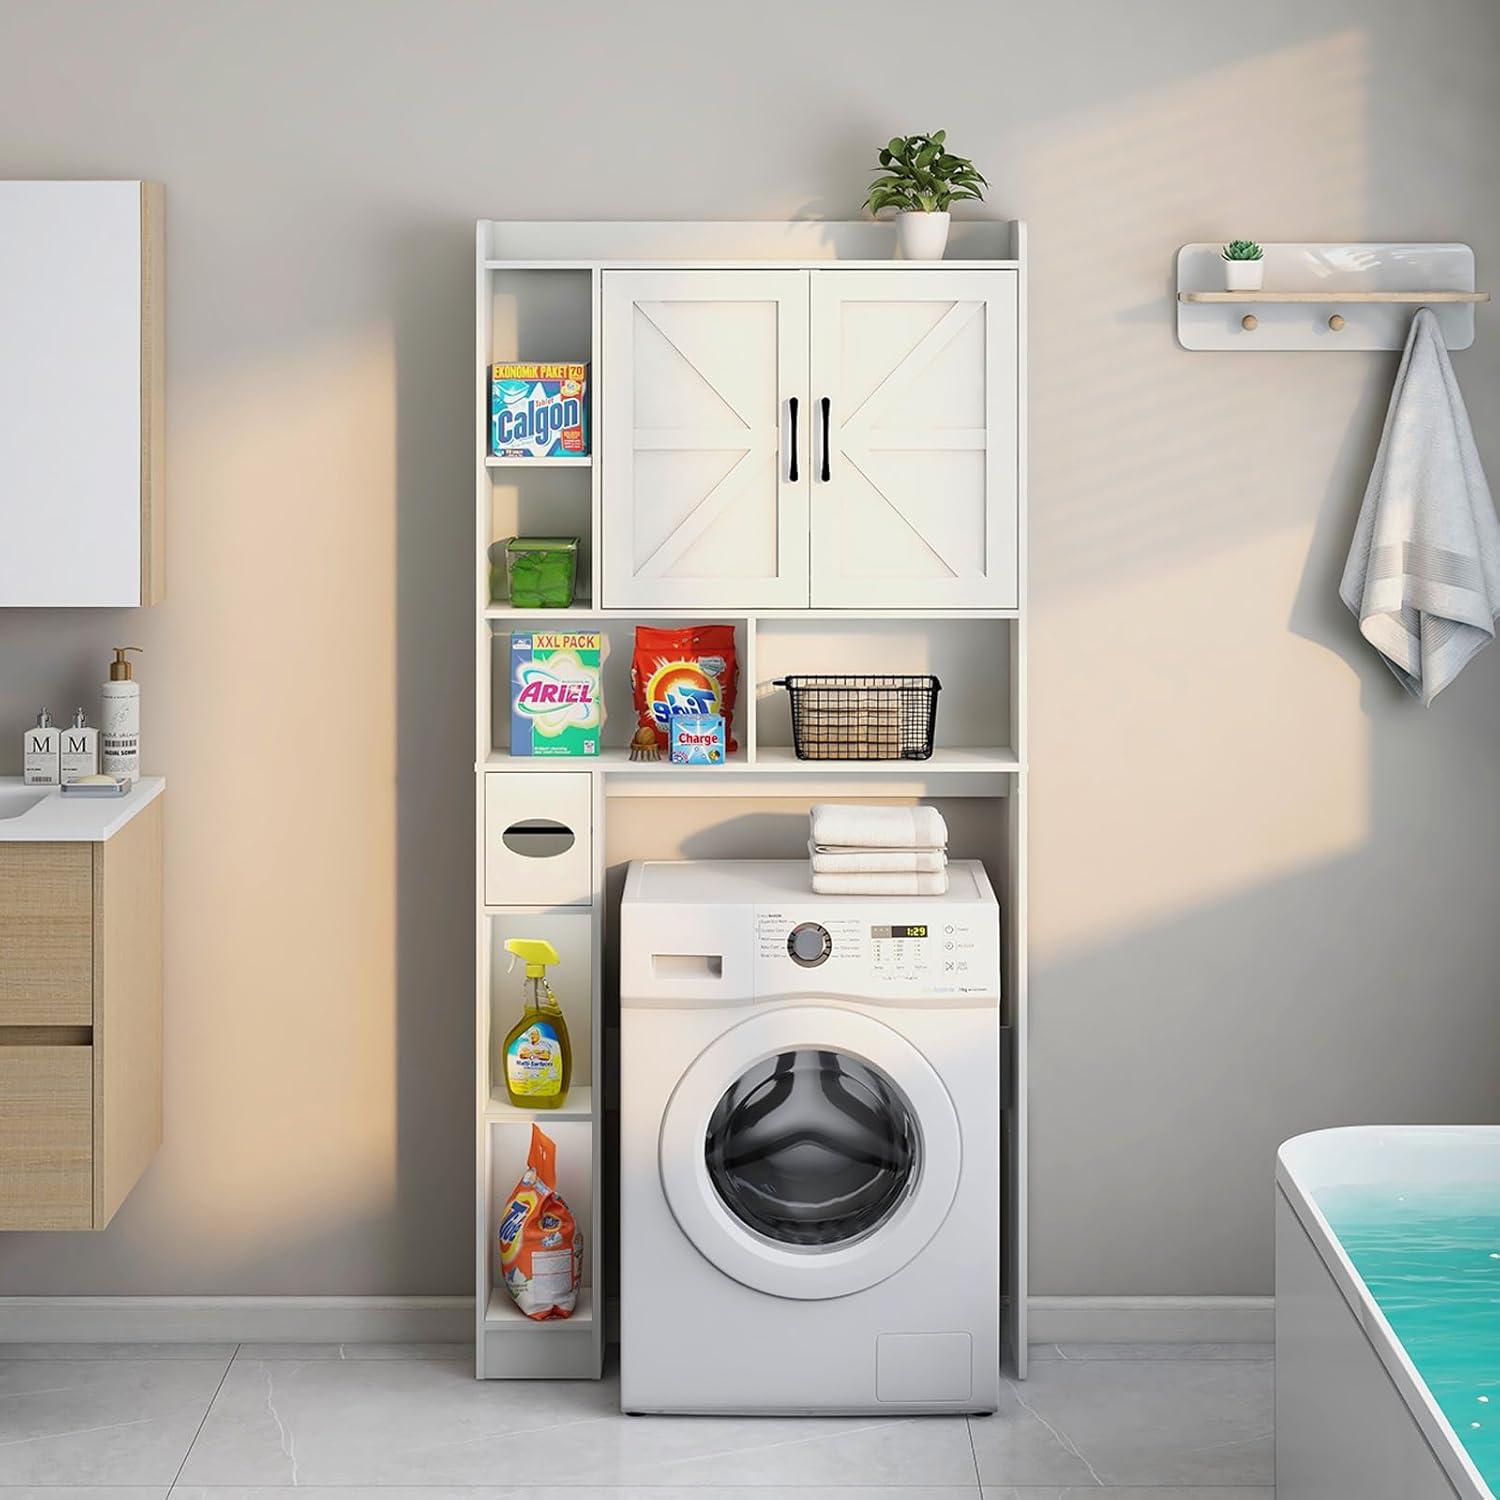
<point x="539" y="411"/>
<point x="556" y="692"/>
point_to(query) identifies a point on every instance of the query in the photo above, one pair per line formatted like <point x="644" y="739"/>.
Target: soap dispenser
<point x="538" y="1055"/>
<point x="42" y="752"/>
<point x="120" y="734"/>
<point x="80" y="750"/>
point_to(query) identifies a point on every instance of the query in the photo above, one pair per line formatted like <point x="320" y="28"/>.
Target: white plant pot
<point x="922" y="236"/>
<point x="1243" y="275"/>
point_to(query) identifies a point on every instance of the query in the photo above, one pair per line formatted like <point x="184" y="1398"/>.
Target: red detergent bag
<point x="691" y="670"/>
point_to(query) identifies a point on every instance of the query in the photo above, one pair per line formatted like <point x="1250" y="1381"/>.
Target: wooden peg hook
<point x="1336" y="321"/>
<point x="1249" y="322"/>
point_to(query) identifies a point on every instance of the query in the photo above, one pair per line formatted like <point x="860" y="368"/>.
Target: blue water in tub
<point x="1431" y="1259"/>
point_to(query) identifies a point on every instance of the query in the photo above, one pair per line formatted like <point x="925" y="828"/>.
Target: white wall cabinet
<point x="832" y="438"/>
<point x="81" y="373"/>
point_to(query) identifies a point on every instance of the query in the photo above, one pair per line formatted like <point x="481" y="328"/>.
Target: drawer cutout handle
<point x="538" y="838"/>
<point x="46" y="1036"/>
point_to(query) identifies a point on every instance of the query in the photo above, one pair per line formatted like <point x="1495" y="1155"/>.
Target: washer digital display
<point x="898" y="930"/>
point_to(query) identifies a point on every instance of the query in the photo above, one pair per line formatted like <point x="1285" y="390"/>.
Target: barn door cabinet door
<point x="915" y="451"/>
<point x="704" y="505"/>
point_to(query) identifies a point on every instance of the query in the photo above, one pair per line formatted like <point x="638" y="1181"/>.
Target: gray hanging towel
<point x="1423" y="576"/>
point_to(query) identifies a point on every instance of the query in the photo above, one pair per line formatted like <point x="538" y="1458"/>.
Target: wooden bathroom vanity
<point x="80" y="1001"/>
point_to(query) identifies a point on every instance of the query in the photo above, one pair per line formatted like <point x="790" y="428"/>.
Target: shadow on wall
<point x="435" y="784"/>
<point x="1302" y="1003"/>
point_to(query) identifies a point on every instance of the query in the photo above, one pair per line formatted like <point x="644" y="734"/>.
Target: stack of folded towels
<point x="878" y="851"/>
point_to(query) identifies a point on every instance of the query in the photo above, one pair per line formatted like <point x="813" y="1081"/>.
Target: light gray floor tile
<point x="597" y="1492"/>
<point x="116" y="1351"/>
<point x="115" y="1421"/>
<point x="82" y="1492"/>
<point x="1142" y="1422"/>
<point x="1127" y="1492"/>
<point x="1163" y="1351"/>
<point x="357" y="1351"/>
<point x="414" y="1422"/>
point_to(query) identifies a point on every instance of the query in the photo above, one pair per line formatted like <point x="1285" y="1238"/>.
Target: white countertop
<point x="54" y="819"/>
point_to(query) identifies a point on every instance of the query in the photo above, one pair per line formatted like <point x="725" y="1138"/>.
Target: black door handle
<point x="791" y="473"/>
<point x="825" y="404"/>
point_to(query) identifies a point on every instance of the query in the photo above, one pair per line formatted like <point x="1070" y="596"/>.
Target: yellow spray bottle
<point x="538" y="1055"/>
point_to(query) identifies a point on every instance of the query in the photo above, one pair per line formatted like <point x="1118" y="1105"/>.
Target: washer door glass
<point x="812" y="1148"/>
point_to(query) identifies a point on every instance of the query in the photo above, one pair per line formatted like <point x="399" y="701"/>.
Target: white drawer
<point x="538" y="838"/>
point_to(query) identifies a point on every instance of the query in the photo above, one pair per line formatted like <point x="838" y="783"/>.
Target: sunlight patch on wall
<point x="279" y="742"/>
<point x="1187" y="746"/>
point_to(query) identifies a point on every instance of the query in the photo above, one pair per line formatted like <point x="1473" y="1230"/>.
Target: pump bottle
<point x="80" y="750"/>
<point x="42" y="750"/>
<point x="538" y="1056"/>
<point x="120" y="733"/>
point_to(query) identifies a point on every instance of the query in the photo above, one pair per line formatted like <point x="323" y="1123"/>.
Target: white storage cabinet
<point x="822" y="438"/>
<point x="888" y="536"/>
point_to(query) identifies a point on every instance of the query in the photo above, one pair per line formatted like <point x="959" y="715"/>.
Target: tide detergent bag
<point x="541" y="1250"/>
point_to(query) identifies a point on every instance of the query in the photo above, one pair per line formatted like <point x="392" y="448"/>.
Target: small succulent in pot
<point x="919" y="177"/>
<point x="1244" y="266"/>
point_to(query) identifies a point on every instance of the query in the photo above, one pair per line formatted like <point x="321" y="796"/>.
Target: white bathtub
<point x="1354" y="1420"/>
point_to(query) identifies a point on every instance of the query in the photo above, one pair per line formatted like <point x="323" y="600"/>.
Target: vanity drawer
<point x="46" y="934"/>
<point x="46" y="1136"/>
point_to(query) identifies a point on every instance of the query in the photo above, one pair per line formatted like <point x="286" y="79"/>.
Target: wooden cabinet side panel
<point x="127" y="1024"/>
<point x="46" y="934"/>
<point x="153" y="393"/>
<point x="46" y="1121"/>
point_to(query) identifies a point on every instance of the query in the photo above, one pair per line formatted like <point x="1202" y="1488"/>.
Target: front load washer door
<point x="810" y="1152"/>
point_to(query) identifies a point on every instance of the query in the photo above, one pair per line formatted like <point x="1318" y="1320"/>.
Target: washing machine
<point x="810" y="1143"/>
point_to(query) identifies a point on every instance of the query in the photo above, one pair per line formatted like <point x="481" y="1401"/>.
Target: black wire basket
<point x="862" y="717"/>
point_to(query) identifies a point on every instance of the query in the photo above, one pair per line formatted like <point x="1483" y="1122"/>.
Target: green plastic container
<point x="541" y="572"/>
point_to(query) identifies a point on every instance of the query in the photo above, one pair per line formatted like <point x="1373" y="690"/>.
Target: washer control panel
<point x="864" y="953"/>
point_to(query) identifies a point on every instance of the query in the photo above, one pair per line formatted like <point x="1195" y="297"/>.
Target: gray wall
<point x="1264" y="882"/>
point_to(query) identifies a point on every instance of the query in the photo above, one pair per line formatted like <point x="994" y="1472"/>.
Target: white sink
<point x="14" y="800"/>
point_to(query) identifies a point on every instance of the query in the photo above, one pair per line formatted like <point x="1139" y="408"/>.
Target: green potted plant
<point x="919" y="177"/>
<point x="1244" y="266"/>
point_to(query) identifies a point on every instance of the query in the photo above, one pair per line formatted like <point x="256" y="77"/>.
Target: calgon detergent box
<point x="556" y="692"/>
<point x="539" y="411"/>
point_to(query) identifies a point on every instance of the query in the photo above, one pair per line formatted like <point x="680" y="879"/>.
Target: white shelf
<point x="1332" y="296"/>
<point x="585" y="462"/>
<point x="501" y="1312"/>
<point x="579" y="1106"/>
<point x="771" y="760"/>
<point x="584" y="609"/>
<point x="782" y="759"/>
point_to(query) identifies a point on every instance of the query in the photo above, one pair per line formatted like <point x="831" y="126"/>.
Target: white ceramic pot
<point x="1243" y="275"/>
<point x="922" y="236"/>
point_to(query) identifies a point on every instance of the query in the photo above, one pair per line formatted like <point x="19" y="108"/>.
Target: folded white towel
<point x="875" y="861"/>
<point x="914" y="883"/>
<point x="1423" y="576"/>
<point x="835" y="826"/>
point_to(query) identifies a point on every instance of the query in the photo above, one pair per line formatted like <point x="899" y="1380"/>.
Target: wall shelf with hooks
<point x="1419" y="297"/>
<point x="1378" y="286"/>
